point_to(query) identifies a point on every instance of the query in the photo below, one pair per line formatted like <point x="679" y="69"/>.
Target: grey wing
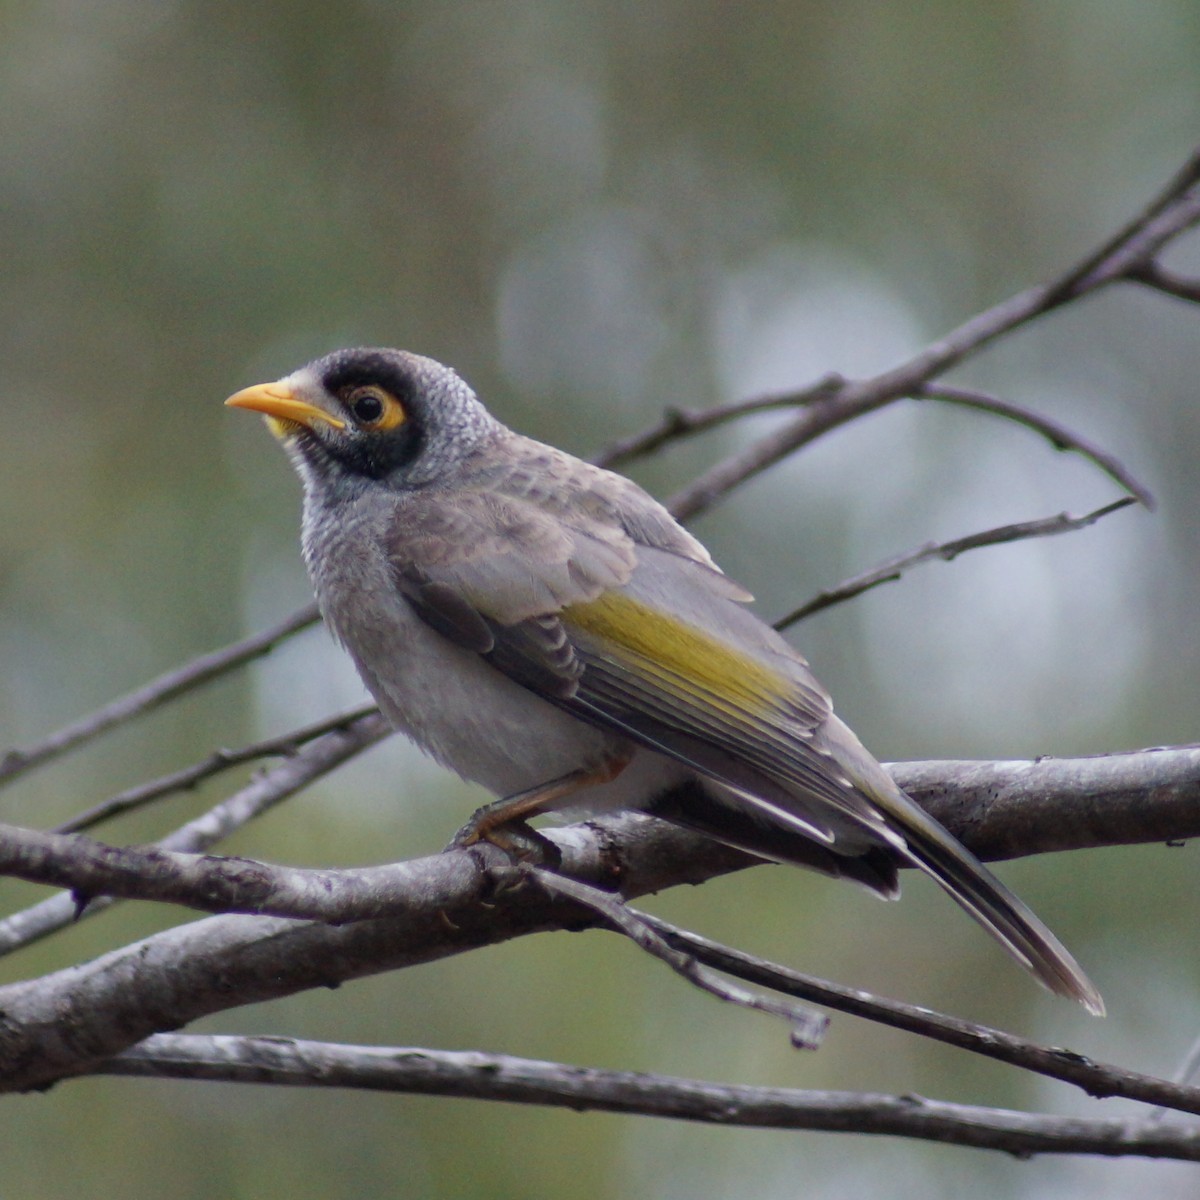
<point x="591" y="501"/>
<point x="500" y="572"/>
<point x="547" y="598"/>
<point x="491" y="569"/>
<point x="535" y="530"/>
<point x="501" y="556"/>
<point x="734" y="701"/>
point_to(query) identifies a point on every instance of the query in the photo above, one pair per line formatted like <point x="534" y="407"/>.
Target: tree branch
<point x="808" y="1027"/>
<point x="1097" y="1079"/>
<point x="65" y="1023"/>
<point x="1057" y="434"/>
<point x="998" y="810"/>
<point x="156" y="692"/>
<point x="271" y="787"/>
<point x="680" y="423"/>
<point x="1175" y="209"/>
<point x="474" y="1075"/>
<point x="1005" y="810"/>
<point x="894" y="568"/>
<point x="187" y="778"/>
<point x="1122" y="256"/>
<point x="1171" y="283"/>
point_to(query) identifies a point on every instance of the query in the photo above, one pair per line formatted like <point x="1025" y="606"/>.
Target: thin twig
<point x="1155" y="275"/>
<point x="1058" y="435"/>
<point x="894" y="568"/>
<point x="1174" y="210"/>
<point x="680" y="423"/>
<point x="151" y="695"/>
<point x="205" y="831"/>
<point x="1097" y="1079"/>
<point x="808" y="1027"/>
<point x="220" y="760"/>
<point x="1170" y="214"/>
<point x="474" y="1075"/>
<point x="1185" y="1073"/>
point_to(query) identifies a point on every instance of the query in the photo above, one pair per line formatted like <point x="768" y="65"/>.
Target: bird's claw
<point x="519" y="840"/>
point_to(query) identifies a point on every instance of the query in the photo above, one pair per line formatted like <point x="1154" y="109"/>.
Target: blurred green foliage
<point x="595" y="210"/>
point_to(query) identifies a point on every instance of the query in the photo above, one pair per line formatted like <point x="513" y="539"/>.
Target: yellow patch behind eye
<point x="684" y="650"/>
<point x="393" y="414"/>
<point x="364" y="402"/>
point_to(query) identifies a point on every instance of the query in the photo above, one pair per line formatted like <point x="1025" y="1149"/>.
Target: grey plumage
<point x="524" y="615"/>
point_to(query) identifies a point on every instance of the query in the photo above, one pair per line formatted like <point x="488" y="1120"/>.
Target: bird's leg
<point x="504" y="821"/>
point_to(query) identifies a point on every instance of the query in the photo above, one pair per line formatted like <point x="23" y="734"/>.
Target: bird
<point x="544" y="627"/>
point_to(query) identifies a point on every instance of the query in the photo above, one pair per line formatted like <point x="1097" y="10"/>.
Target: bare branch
<point x="230" y="885"/>
<point x="894" y="568"/>
<point x="999" y="810"/>
<point x="1173" y="211"/>
<point x="680" y="423"/>
<point x="220" y="760"/>
<point x="1121" y="256"/>
<point x="259" y="796"/>
<point x="151" y="695"/>
<point x="65" y="1022"/>
<point x="459" y="901"/>
<point x="1005" y="810"/>
<point x="1099" y="1080"/>
<point x="807" y="1027"/>
<point x="1058" y="435"/>
<point x="474" y="1075"/>
<point x="1154" y="275"/>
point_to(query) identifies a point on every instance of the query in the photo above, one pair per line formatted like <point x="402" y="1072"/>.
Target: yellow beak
<point x="280" y="402"/>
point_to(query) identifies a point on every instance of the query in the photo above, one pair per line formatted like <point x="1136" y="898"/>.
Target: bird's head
<point x="382" y="415"/>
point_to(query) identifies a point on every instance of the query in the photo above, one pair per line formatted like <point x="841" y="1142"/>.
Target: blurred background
<point x="594" y="211"/>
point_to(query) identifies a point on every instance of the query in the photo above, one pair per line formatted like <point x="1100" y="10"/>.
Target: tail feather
<point x="730" y="817"/>
<point x="1010" y="921"/>
<point x="909" y="836"/>
<point x="914" y="836"/>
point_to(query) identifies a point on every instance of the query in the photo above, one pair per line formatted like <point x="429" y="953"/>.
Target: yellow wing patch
<point x="698" y="659"/>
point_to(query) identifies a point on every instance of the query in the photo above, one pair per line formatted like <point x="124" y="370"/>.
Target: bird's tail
<point x="1010" y="921"/>
<point x="914" y="835"/>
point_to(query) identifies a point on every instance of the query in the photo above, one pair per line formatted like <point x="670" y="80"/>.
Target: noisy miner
<point x="542" y="627"/>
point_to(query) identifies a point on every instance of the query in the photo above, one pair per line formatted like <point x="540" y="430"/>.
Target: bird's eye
<point x="367" y="407"/>
<point x="374" y="408"/>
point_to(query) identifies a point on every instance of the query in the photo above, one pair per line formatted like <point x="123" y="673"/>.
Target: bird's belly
<point x="462" y="711"/>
